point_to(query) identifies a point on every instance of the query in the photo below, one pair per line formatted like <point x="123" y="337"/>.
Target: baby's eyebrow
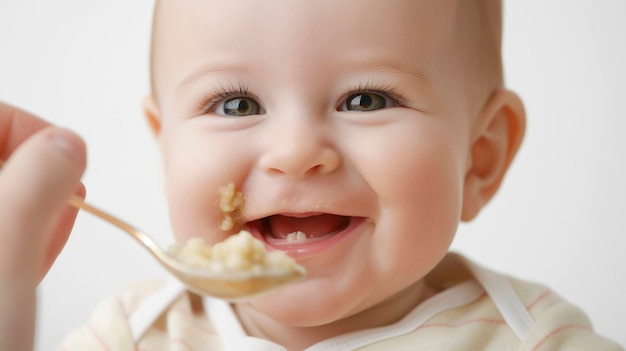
<point x="423" y="76"/>
<point x="222" y="67"/>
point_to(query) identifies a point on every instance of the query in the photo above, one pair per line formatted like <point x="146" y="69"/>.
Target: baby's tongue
<point x="313" y="226"/>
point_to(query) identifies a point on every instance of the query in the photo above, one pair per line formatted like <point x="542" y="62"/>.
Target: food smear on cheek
<point x="231" y="202"/>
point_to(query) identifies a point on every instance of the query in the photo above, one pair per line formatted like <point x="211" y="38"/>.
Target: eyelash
<point x="383" y="90"/>
<point x="221" y="94"/>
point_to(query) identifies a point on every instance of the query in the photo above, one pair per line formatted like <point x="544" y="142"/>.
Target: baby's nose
<point x="300" y="150"/>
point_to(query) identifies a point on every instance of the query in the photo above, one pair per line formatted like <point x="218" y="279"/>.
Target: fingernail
<point x="67" y="142"/>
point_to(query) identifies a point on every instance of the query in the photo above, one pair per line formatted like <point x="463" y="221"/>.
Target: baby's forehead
<point x="423" y="13"/>
<point x="297" y="20"/>
<point x="183" y="27"/>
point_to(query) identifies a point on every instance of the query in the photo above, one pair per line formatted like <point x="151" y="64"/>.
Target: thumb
<point x="35" y="184"/>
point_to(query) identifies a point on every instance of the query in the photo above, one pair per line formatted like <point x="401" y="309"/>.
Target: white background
<point x="559" y="218"/>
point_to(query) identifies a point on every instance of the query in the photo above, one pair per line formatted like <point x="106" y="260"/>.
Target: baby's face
<point x="345" y="120"/>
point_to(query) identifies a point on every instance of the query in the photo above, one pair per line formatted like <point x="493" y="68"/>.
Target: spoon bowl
<point x="202" y="280"/>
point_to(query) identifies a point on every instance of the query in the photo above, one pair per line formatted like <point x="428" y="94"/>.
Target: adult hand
<point x="42" y="167"/>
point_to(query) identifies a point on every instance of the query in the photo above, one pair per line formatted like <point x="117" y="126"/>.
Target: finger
<point x="60" y="234"/>
<point x="35" y="184"/>
<point x="16" y="126"/>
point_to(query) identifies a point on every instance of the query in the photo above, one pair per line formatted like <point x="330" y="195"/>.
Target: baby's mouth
<point x="301" y="229"/>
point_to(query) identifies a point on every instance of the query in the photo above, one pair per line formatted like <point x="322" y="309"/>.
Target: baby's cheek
<point x="426" y="196"/>
<point x="193" y="209"/>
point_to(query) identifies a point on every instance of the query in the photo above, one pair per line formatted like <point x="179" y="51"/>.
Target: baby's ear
<point x="498" y="133"/>
<point x="151" y="111"/>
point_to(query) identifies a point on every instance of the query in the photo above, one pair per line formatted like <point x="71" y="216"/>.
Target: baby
<point x="373" y="127"/>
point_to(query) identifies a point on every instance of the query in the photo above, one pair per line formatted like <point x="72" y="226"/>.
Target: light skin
<point x="45" y="167"/>
<point x="382" y="189"/>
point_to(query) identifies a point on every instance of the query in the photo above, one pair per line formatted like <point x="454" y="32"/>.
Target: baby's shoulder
<point x="151" y="315"/>
<point x="134" y="295"/>
<point x="108" y="325"/>
<point x="558" y="324"/>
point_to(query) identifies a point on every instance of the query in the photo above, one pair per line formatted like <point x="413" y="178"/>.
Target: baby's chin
<point x="308" y="303"/>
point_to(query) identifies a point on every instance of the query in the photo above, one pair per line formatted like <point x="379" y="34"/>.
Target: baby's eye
<point x="366" y="101"/>
<point x="238" y="106"/>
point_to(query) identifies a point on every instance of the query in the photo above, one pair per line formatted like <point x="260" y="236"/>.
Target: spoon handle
<point x="138" y="235"/>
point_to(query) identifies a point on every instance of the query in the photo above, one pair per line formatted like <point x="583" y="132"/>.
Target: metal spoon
<point x="226" y="285"/>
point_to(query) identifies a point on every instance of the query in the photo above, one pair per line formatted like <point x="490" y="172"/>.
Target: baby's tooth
<point x="300" y="235"/>
<point x="296" y="236"/>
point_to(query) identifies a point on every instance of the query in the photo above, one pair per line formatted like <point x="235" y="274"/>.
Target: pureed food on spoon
<point x="238" y="253"/>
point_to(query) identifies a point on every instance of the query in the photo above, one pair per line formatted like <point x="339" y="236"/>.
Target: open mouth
<point x="300" y="229"/>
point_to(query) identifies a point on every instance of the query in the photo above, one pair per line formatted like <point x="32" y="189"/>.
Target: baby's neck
<point x="296" y="338"/>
